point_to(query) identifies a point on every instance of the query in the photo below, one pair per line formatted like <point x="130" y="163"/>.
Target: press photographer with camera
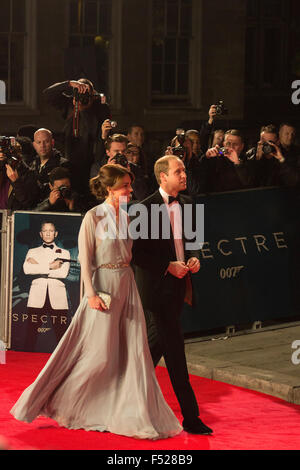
<point x="47" y="157"/>
<point x="116" y="148"/>
<point x="18" y="186"/>
<point x="268" y="165"/>
<point x="207" y="131"/>
<point x="182" y="147"/>
<point x="226" y="167"/>
<point x="84" y="110"/>
<point x="62" y="198"/>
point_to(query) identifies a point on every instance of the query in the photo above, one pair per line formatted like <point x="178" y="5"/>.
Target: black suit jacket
<point x="151" y="258"/>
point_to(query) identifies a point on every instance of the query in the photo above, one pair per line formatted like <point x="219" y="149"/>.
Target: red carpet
<point x="241" y="419"/>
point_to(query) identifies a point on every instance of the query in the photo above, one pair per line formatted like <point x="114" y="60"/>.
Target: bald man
<point x="47" y="157"/>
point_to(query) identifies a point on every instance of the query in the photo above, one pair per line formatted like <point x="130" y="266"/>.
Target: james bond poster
<point x="46" y="279"/>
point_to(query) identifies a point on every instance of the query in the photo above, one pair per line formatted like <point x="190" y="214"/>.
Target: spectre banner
<point x="45" y="278"/>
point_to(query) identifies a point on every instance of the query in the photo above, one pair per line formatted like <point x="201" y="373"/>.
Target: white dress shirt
<point x="175" y="214"/>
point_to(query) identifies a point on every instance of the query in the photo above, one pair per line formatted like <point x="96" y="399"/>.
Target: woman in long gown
<point x="101" y="376"/>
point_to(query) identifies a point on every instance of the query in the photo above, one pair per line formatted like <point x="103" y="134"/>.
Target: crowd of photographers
<point x="34" y="175"/>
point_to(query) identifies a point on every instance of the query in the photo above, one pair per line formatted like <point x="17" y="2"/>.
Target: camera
<point x="179" y="150"/>
<point x="83" y="98"/>
<point x="267" y="148"/>
<point x="113" y="123"/>
<point x="12" y="152"/>
<point x="220" y="108"/>
<point x="120" y="159"/>
<point x="223" y="151"/>
<point x="65" y="192"/>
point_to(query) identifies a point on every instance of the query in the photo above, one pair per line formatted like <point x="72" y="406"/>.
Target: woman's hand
<point x="96" y="303"/>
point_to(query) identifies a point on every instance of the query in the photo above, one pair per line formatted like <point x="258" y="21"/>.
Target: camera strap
<point x="76" y="119"/>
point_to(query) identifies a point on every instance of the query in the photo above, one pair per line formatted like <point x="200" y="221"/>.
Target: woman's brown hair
<point x="108" y="177"/>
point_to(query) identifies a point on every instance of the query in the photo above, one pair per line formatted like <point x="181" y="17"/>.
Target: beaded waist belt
<point x="113" y="266"/>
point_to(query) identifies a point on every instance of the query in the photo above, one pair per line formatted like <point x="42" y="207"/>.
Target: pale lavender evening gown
<point x="100" y="376"/>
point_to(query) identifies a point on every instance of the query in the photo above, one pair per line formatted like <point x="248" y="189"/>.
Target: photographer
<point x="226" y="167"/>
<point x="267" y="163"/>
<point x="182" y="147"/>
<point x="46" y="158"/>
<point x="116" y="147"/>
<point x="84" y="112"/>
<point x="207" y="131"/>
<point x="62" y="198"/>
<point x="18" y="186"/>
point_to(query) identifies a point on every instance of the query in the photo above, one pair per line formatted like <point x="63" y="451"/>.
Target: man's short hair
<point x="58" y="173"/>
<point x="48" y="222"/>
<point x="134" y="125"/>
<point x="115" y="138"/>
<point x="270" y="129"/>
<point x="192" y="131"/>
<point x="234" y="132"/>
<point x="162" y="165"/>
<point x="288" y="124"/>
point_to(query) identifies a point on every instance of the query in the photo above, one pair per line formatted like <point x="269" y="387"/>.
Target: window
<point x="90" y="26"/>
<point x="267" y="44"/>
<point x="18" y="55"/>
<point x="12" y="48"/>
<point x="171" y="46"/>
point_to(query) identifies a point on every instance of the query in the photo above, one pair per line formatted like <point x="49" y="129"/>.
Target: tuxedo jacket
<point x="151" y="258"/>
<point x="45" y="278"/>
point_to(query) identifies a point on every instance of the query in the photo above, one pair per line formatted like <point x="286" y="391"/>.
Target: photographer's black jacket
<point x="81" y="150"/>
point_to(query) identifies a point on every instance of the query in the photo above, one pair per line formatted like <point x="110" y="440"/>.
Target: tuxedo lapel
<point x="158" y="199"/>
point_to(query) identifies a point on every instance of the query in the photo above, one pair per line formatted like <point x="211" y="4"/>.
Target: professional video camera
<point x="120" y="159"/>
<point x="12" y="152"/>
<point x="220" y="108"/>
<point x="179" y="150"/>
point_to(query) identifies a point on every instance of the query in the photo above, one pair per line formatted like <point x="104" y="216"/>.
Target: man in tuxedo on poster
<point x="162" y="267"/>
<point x="47" y="293"/>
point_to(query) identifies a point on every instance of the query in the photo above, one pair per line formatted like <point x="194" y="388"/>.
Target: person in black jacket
<point x="163" y="265"/>
<point x="18" y="185"/>
<point x="270" y="164"/>
<point x="226" y="168"/>
<point x="84" y="112"/>
<point x="62" y="198"/>
<point x="47" y="157"/>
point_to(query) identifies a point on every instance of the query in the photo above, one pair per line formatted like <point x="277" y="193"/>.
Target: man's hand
<point x="277" y="154"/>
<point x="212" y="113"/>
<point x="178" y="269"/>
<point x="81" y="87"/>
<point x="213" y="152"/>
<point x="232" y="155"/>
<point x="259" y="152"/>
<point x="56" y="264"/>
<point x="96" y="303"/>
<point x="54" y="196"/>
<point x="11" y="174"/>
<point x="105" y="129"/>
<point x="193" y="264"/>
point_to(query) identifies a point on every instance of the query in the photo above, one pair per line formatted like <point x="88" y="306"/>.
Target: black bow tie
<point x="48" y="246"/>
<point x="172" y="199"/>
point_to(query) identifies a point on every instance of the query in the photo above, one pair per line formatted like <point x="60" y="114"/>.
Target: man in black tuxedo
<point x="162" y="268"/>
